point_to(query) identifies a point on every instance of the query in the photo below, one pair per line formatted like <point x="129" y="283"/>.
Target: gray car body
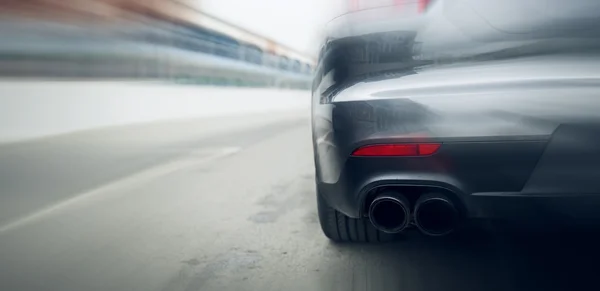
<point x="510" y="90"/>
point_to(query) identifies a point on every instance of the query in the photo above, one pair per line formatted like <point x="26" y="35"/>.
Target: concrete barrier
<point x="34" y="109"/>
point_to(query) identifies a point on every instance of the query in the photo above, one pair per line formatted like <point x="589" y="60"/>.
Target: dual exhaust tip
<point x="434" y="214"/>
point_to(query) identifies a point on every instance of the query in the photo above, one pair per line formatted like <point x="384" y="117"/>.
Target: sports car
<point x="429" y="115"/>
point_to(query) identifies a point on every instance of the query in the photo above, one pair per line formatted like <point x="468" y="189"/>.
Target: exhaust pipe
<point x="435" y="214"/>
<point x="390" y="212"/>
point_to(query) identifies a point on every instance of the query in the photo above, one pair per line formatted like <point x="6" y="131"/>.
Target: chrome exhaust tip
<point x="390" y="212"/>
<point x="435" y="215"/>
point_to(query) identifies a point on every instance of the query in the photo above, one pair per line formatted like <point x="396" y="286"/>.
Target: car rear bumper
<point x="460" y="169"/>
<point x="542" y="170"/>
<point x="523" y="207"/>
<point x="538" y="208"/>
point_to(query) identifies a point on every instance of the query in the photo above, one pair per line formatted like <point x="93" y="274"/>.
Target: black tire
<point x="341" y="228"/>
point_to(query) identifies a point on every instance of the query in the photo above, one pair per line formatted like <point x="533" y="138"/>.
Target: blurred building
<point x="178" y="24"/>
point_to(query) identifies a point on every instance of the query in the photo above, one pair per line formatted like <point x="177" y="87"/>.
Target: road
<point x="227" y="204"/>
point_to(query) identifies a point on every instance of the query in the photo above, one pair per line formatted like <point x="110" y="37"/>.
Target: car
<point x="431" y="115"/>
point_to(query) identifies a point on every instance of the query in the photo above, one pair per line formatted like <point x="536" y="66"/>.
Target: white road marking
<point x="135" y="179"/>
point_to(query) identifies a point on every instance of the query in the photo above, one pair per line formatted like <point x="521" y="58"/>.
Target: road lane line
<point x="147" y="175"/>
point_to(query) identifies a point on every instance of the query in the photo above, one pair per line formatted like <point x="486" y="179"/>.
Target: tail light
<point x="423" y="5"/>
<point x="420" y="5"/>
<point x="356" y="5"/>
<point x="397" y="150"/>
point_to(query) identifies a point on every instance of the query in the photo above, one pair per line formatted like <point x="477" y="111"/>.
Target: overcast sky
<point x="295" y="23"/>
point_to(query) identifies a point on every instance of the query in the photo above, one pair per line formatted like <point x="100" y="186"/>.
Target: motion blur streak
<point x="125" y="39"/>
<point x="171" y="150"/>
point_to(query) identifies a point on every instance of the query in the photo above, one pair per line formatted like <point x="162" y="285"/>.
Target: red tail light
<point x="397" y="150"/>
<point x="354" y="5"/>
<point x="411" y="5"/>
<point x="423" y="4"/>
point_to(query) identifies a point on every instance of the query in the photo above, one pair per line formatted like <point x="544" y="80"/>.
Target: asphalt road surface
<point x="228" y="204"/>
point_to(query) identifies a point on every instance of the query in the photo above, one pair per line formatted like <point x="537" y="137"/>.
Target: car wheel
<point x="341" y="228"/>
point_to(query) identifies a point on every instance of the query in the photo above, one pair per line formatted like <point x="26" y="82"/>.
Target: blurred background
<point x="174" y="110"/>
<point x="218" y="42"/>
<point x="136" y="53"/>
<point x="166" y="145"/>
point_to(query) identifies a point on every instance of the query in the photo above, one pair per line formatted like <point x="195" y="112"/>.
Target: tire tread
<point x="341" y="228"/>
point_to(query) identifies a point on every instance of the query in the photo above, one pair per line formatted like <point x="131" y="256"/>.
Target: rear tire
<point x="341" y="228"/>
